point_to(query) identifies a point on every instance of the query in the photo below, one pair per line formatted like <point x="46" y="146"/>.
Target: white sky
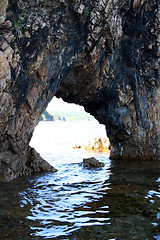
<point x="57" y="104"/>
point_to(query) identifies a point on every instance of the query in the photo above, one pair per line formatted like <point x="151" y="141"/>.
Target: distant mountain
<point x="67" y="116"/>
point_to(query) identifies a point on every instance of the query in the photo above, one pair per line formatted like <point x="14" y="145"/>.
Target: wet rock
<point x="38" y="164"/>
<point x="92" y="162"/>
<point x="14" y="165"/>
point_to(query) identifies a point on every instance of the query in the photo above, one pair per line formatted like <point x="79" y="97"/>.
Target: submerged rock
<point x="92" y="162"/>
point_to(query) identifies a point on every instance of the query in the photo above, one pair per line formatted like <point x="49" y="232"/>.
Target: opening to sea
<point x="118" y="201"/>
<point x="67" y="134"/>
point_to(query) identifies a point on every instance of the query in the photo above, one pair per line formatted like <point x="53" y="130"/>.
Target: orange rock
<point x="98" y="145"/>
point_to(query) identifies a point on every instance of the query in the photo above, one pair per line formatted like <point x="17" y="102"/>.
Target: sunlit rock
<point x="96" y="145"/>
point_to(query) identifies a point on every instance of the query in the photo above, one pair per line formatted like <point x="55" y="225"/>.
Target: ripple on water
<point x="84" y="204"/>
<point x="61" y="204"/>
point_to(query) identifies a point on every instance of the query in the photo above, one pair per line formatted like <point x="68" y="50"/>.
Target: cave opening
<point x="67" y="133"/>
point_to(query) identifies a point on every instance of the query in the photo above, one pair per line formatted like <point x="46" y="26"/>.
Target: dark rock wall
<point x="99" y="54"/>
<point x="121" y="72"/>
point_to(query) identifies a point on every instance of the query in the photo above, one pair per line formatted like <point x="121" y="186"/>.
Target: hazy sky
<point x="57" y="104"/>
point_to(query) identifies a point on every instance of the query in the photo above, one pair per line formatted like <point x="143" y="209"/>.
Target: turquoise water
<point x="119" y="201"/>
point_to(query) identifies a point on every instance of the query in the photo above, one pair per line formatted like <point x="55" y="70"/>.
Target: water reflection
<point x="130" y="209"/>
<point x="61" y="200"/>
<point x="120" y="201"/>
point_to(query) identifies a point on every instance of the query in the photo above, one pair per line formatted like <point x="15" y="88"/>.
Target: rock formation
<point x="96" y="145"/>
<point x="92" y="162"/>
<point x="100" y="54"/>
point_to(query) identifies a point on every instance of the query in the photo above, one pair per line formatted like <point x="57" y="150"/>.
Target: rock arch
<point x="99" y="54"/>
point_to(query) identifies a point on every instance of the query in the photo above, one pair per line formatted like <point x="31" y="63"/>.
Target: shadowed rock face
<point x="99" y="54"/>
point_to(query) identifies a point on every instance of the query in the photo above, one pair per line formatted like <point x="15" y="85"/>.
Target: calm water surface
<point x="119" y="201"/>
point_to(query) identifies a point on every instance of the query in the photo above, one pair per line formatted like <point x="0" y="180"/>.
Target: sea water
<point x="118" y="201"/>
